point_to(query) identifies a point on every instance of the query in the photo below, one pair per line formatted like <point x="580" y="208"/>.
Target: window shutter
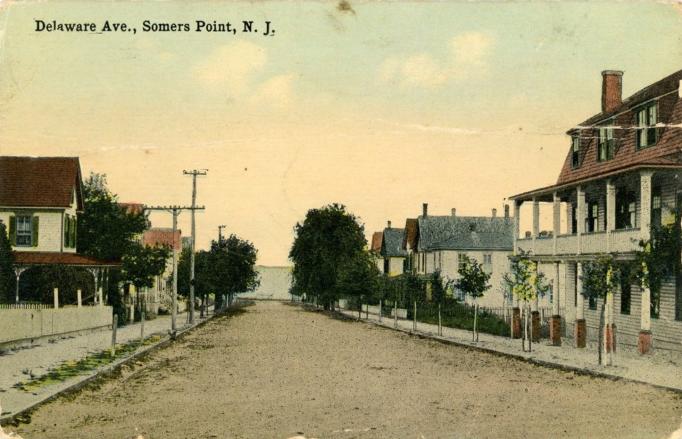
<point x="36" y="227"/>
<point x="13" y="230"/>
<point x="66" y="230"/>
<point x="73" y="232"/>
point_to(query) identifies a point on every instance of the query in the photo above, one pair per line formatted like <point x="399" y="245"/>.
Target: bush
<point x="460" y="315"/>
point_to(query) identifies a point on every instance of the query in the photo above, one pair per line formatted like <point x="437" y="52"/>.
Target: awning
<point x="28" y="259"/>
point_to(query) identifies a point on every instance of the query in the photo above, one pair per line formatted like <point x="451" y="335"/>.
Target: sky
<point x="380" y="106"/>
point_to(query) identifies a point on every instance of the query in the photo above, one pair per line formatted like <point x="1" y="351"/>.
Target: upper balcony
<point x="609" y="215"/>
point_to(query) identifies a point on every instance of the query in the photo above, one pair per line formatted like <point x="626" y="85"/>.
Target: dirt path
<point x="276" y="371"/>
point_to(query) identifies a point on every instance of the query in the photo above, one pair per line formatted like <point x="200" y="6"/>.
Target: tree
<point x="7" y="277"/>
<point x="327" y="239"/>
<point x="231" y="268"/>
<point x="107" y="231"/>
<point x="526" y="284"/>
<point x="473" y="280"/>
<point x="439" y="288"/>
<point x="201" y="274"/>
<point x="600" y="280"/>
<point x="358" y="279"/>
<point x="141" y="264"/>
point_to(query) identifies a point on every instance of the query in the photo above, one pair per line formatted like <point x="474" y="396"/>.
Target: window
<point x="646" y="126"/>
<point x="386" y="266"/>
<point x="607" y="144"/>
<point x="592" y="220"/>
<point x="24" y="236"/>
<point x="656" y="207"/>
<point x="574" y="219"/>
<point x="461" y="260"/>
<point x="488" y="263"/>
<point x="575" y="151"/>
<point x="592" y="302"/>
<point x="626" y="209"/>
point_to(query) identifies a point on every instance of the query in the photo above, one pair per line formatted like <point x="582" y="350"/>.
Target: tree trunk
<point x="600" y="338"/>
<point x="440" y="324"/>
<point x="474" y="335"/>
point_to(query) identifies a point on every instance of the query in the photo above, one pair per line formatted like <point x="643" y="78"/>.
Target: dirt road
<point x="276" y="371"/>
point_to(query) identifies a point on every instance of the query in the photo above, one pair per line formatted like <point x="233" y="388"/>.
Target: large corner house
<point x="620" y="178"/>
<point x="440" y="242"/>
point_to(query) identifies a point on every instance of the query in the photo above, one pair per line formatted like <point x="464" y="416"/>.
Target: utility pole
<point x="194" y="174"/>
<point x="175" y="211"/>
<point x="220" y="233"/>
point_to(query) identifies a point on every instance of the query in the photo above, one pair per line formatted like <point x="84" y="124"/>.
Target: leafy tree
<point x="358" y="279"/>
<point x="328" y="238"/>
<point x="7" y="277"/>
<point x="231" y="268"/>
<point x="473" y="280"/>
<point x="141" y="264"/>
<point x="439" y="288"/>
<point x="601" y="278"/>
<point x="526" y="284"/>
<point x="201" y="274"/>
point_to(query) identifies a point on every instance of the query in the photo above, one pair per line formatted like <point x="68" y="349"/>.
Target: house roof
<point x="411" y="232"/>
<point x="665" y="152"/>
<point x="377" y="238"/>
<point x="40" y="181"/>
<point x="392" y="243"/>
<point x="58" y="258"/>
<point x="465" y="233"/>
<point x="162" y="236"/>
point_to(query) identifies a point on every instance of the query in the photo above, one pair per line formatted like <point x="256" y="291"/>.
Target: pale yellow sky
<point x="380" y="108"/>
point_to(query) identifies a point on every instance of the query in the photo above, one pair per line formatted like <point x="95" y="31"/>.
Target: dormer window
<point x="646" y="126"/>
<point x="575" y="152"/>
<point x="607" y="144"/>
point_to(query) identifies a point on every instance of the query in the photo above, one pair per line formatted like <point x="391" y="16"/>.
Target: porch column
<point x="610" y="212"/>
<point x="55" y="295"/>
<point x="100" y="297"/>
<point x="556" y="212"/>
<point x="580" y="213"/>
<point x="517" y="210"/>
<point x="644" y="341"/>
<point x="555" y="322"/>
<point x="79" y="298"/>
<point x="17" y="273"/>
<point x="645" y="204"/>
<point x="580" y="326"/>
<point x="536" y="222"/>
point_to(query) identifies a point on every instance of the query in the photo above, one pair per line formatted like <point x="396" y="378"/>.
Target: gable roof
<point x="377" y="238"/>
<point x="392" y="243"/>
<point x="664" y="153"/>
<point x="465" y="233"/>
<point x="40" y="182"/>
<point x="162" y="236"/>
<point x="411" y="233"/>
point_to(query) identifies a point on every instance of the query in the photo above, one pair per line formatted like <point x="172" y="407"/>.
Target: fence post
<point x="395" y="313"/>
<point x="440" y="325"/>
<point x="142" y="326"/>
<point x="380" y="310"/>
<point x="79" y="297"/>
<point x="414" y="317"/>
<point x="114" y="326"/>
<point x="55" y="294"/>
<point x="367" y="311"/>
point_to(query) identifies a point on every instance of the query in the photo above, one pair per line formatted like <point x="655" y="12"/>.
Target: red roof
<point x="40" y="181"/>
<point x="665" y="152"/>
<point x="57" y="258"/>
<point x="411" y="233"/>
<point x="377" y="238"/>
<point x="159" y="236"/>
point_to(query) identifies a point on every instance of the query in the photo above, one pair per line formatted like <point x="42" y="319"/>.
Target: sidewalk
<point x="16" y="366"/>
<point x="659" y="368"/>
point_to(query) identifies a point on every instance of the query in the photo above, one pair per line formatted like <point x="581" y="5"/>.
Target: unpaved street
<point x="276" y="371"/>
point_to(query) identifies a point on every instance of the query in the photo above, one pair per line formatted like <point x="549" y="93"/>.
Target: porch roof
<point x="547" y="191"/>
<point x="27" y="259"/>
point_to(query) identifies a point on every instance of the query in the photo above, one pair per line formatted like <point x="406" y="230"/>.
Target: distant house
<point x="392" y="252"/>
<point x="441" y="243"/>
<point x="40" y="199"/>
<point x="160" y="294"/>
<point x="375" y="250"/>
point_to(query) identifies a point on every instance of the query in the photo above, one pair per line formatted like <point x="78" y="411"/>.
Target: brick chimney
<point x="611" y="90"/>
<point x="425" y="210"/>
<point x="389" y="224"/>
<point x="494" y="213"/>
<point x="506" y="210"/>
<point x="453" y="212"/>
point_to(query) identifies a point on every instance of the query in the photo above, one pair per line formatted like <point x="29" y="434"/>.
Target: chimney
<point x="611" y="90"/>
<point x="453" y="212"/>
<point x="389" y="224"/>
<point x="506" y="210"/>
<point x="425" y="209"/>
<point x="494" y="213"/>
